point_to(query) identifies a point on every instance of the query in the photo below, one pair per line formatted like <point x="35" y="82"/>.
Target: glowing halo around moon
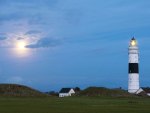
<point x="21" y="45"/>
<point x="20" y="48"/>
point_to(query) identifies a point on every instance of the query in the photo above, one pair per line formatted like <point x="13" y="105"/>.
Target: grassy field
<point x="74" y="105"/>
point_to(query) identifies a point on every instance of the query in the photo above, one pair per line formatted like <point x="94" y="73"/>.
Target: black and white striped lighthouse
<point x="133" y="79"/>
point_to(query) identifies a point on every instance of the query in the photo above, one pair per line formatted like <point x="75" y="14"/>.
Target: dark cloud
<point x="20" y="38"/>
<point x="44" y="42"/>
<point x="32" y="32"/>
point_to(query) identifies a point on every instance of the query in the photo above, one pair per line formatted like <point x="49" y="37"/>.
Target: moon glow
<point x="20" y="48"/>
<point x="21" y="44"/>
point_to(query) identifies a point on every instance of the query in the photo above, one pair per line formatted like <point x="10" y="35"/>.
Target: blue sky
<point x="72" y="42"/>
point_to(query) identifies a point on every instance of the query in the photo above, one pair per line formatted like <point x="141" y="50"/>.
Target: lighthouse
<point x="133" y="77"/>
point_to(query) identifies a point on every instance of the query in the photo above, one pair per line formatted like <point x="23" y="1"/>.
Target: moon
<point x="20" y="48"/>
<point x="21" y="45"/>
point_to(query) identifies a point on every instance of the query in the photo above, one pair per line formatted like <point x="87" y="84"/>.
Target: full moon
<point x="21" y="44"/>
<point x="20" y="48"/>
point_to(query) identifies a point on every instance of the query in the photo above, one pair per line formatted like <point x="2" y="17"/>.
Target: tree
<point x="77" y="89"/>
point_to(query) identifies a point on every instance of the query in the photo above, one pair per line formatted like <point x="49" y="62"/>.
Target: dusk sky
<point x="50" y="44"/>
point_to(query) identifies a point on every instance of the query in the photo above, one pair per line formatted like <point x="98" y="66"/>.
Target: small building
<point x="144" y="90"/>
<point x="139" y="91"/>
<point x="65" y="92"/>
<point x="147" y="90"/>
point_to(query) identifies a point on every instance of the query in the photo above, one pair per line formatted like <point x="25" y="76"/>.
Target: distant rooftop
<point x="65" y="90"/>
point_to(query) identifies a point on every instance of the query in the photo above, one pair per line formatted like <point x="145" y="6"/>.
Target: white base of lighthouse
<point x="133" y="82"/>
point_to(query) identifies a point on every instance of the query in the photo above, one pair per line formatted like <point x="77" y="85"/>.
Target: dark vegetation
<point x="102" y="91"/>
<point x="52" y="93"/>
<point x="18" y="90"/>
<point x="21" y="90"/>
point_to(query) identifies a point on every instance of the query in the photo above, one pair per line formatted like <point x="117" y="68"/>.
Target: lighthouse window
<point x="133" y="68"/>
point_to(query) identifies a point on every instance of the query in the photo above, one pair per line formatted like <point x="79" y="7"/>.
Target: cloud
<point x="32" y="32"/>
<point x="18" y="10"/>
<point x="20" y="38"/>
<point x="44" y="42"/>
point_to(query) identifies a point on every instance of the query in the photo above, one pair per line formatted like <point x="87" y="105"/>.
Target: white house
<point x="139" y="91"/>
<point x="65" y="92"/>
<point x="144" y="90"/>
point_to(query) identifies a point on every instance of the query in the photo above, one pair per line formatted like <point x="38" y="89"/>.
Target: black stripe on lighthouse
<point x="133" y="68"/>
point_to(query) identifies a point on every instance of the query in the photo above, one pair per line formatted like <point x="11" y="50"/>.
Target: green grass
<point x="74" y="105"/>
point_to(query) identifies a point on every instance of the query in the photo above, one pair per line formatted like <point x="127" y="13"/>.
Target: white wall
<point x="67" y="94"/>
<point x="148" y="94"/>
<point x="64" y="94"/>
